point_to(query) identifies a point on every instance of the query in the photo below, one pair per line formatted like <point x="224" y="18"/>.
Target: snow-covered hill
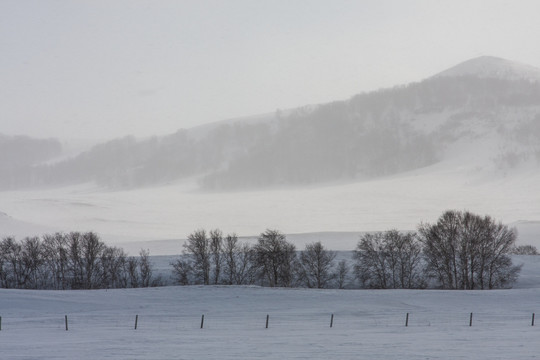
<point x="485" y="103"/>
<point x="493" y="67"/>
<point x="17" y="228"/>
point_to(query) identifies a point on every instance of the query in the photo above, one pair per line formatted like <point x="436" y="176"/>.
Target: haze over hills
<point x="487" y="102"/>
<point x="468" y="137"/>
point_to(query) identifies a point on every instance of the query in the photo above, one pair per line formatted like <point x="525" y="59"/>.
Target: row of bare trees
<point x="71" y="261"/>
<point x="212" y="258"/>
<point x="461" y="250"/>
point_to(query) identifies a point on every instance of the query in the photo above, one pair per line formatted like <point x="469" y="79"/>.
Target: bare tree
<point x="10" y="253"/>
<point x="92" y="249"/>
<point x="371" y="259"/>
<point x="113" y="263"/>
<point x="133" y="272"/>
<point x="182" y="271"/>
<point x="145" y="268"/>
<point x="239" y="261"/>
<point x="275" y="258"/>
<point x="75" y="260"/>
<point x="341" y="273"/>
<point x="231" y="249"/>
<point x="32" y="276"/>
<point x="316" y="265"/>
<point x="216" y="249"/>
<point x="197" y="247"/>
<point x="55" y="252"/>
<point x="406" y="263"/>
<point x="4" y="266"/>
<point x="246" y="268"/>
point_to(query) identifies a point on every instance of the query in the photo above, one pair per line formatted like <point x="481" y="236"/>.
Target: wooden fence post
<point x="267" y="318"/>
<point x="136" y="321"/>
<point x="202" y="321"/>
<point x="332" y="320"/>
<point x="65" y="317"/>
<point x="470" y="320"/>
<point x="407" y="320"/>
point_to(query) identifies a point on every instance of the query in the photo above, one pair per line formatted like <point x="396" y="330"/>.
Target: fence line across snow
<point x="210" y="321"/>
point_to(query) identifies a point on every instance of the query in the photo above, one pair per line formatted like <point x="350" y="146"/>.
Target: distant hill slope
<point x="17" y="228"/>
<point x="24" y="150"/>
<point x="487" y="106"/>
<point x="493" y="67"/>
<point x="19" y="153"/>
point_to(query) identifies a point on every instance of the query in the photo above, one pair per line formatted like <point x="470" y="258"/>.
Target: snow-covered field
<point x="367" y="324"/>
<point x="174" y="211"/>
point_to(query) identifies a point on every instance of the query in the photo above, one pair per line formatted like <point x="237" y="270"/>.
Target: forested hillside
<point x="370" y="135"/>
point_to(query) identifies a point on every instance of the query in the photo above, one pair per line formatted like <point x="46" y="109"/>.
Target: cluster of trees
<point x="212" y="258"/>
<point x="468" y="251"/>
<point x="390" y="260"/>
<point x="461" y="250"/>
<point x="71" y="261"/>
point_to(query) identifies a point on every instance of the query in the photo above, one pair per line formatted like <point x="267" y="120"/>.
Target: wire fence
<point x="252" y="321"/>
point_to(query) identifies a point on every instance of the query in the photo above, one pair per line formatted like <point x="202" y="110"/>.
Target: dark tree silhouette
<point x="275" y="258"/>
<point x="467" y="251"/>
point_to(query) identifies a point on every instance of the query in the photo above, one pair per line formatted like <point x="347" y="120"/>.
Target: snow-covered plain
<point x="174" y="211"/>
<point x="367" y="324"/>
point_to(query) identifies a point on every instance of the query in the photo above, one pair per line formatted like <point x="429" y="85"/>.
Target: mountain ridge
<point x="492" y="67"/>
<point x="367" y="136"/>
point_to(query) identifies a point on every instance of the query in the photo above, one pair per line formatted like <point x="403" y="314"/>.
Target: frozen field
<point x="367" y="324"/>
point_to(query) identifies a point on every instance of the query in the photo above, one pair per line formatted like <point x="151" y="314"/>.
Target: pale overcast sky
<point x="108" y="68"/>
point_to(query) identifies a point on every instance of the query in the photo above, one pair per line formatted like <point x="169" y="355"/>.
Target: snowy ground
<point x="174" y="211"/>
<point x="367" y="324"/>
